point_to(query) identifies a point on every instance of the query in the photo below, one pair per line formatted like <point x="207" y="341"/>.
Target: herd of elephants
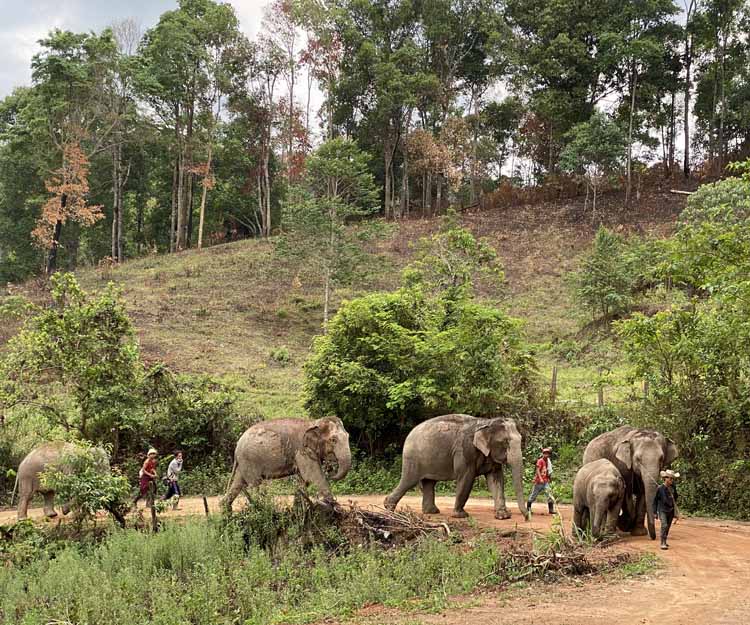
<point x="614" y="487"/>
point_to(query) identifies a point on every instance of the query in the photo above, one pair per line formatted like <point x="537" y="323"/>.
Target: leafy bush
<point x="696" y="357"/>
<point x="390" y="360"/>
<point x="83" y="480"/>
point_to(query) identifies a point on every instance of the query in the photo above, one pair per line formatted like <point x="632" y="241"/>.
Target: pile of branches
<point x="365" y="526"/>
<point x="525" y="564"/>
<point x="389" y="527"/>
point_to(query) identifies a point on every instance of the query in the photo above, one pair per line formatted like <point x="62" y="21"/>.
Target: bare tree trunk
<point x="175" y="204"/>
<point x="687" y="62"/>
<point x="115" y="202"/>
<point x="439" y="194"/>
<point x="723" y="102"/>
<point x="672" y="132"/>
<point x="630" y="135"/>
<point x="326" y="300"/>
<point x="203" y="196"/>
<point x="52" y="254"/>
<point x="387" y="172"/>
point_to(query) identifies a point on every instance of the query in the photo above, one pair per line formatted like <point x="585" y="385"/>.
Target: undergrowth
<point x="263" y="566"/>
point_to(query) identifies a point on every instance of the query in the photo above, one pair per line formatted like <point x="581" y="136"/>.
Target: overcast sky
<point x="24" y="22"/>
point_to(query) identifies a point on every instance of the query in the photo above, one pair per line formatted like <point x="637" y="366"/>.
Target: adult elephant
<point x="639" y="455"/>
<point x="48" y="456"/>
<point x="283" y="447"/>
<point x="461" y="447"/>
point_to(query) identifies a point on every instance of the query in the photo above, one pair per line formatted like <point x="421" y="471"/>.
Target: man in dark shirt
<point x="665" y="504"/>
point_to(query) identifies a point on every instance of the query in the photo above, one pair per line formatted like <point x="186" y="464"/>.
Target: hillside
<point x="236" y="312"/>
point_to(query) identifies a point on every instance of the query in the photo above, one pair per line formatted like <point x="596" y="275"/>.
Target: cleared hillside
<point x="239" y="313"/>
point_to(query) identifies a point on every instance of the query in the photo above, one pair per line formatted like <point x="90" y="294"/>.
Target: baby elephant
<point x="597" y="497"/>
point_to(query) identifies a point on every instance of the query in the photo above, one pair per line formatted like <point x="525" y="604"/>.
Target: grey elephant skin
<point x="47" y="455"/>
<point x="283" y="447"/>
<point x="639" y="455"/>
<point x="461" y="447"/>
<point x="598" y="490"/>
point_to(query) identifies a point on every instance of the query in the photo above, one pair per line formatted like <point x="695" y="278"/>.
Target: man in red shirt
<point x="542" y="478"/>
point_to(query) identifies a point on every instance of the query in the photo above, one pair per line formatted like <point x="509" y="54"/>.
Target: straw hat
<point x="152" y="452"/>
<point x="547" y="450"/>
<point x="669" y="473"/>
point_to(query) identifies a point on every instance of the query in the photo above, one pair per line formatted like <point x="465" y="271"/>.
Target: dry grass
<point x="237" y="312"/>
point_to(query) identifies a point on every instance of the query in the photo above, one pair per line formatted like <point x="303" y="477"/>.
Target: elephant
<point x="48" y="455"/>
<point x="598" y="490"/>
<point x="283" y="447"/>
<point x="639" y="455"/>
<point x="461" y="447"/>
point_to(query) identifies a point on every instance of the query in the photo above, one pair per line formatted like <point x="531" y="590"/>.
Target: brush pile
<point x="389" y="528"/>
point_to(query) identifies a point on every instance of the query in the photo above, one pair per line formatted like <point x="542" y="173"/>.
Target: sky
<point x="24" y="22"/>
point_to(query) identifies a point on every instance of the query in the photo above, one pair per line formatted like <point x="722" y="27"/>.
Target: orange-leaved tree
<point x="68" y="187"/>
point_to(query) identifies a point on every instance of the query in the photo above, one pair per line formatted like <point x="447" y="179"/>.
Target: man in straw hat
<point x="147" y="474"/>
<point x="665" y="504"/>
<point x="542" y="478"/>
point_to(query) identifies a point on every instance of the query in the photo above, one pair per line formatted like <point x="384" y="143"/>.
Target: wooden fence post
<point x="600" y="391"/>
<point x="152" y="505"/>
<point x="645" y="389"/>
<point x="205" y="504"/>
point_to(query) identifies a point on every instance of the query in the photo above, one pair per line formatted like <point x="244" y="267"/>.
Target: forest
<point x="367" y="215"/>
<point x="157" y="138"/>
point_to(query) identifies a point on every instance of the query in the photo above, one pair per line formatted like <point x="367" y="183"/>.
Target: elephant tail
<point x="231" y="475"/>
<point x="13" y="494"/>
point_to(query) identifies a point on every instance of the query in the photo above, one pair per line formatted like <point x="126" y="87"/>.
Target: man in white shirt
<point x="173" y="476"/>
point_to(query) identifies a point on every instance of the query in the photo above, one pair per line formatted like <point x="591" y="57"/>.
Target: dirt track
<point x="705" y="580"/>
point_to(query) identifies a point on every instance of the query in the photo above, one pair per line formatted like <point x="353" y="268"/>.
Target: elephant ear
<point x="313" y="439"/>
<point x="624" y="454"/>
<point x="671" y="453"/>
<point x="482" y="439"/>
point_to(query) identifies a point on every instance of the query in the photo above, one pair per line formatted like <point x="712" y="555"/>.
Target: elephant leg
<point x="312" y="473"/>
<point x="463" y="490"/>
<point x="49" y="504"/>
<point x="235" y="488"/>
<point x="428" y="497"/>
<point x="408" y="481"/>
<point x="585" y="518"/>
<point x="612" y="519"/>
<point x="24" y="497"/>
<point x="496" y="485"/>
<point x="640" y="515"/>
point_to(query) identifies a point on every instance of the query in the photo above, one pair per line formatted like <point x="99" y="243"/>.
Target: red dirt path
<point x="705" y="579"/>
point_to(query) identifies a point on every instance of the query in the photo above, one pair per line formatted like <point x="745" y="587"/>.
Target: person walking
<point x="173" y="476"/>
<point x="542" y="479"/>
<point x="146" y="475"/>
<point x="665" y="504"/>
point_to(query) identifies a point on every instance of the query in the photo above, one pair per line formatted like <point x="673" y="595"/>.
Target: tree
<point x="339" y="188"/>
<point x="184" y="58"/>
<point x="390" y="360"/>
<point x="69" y="188"/>
<point x="84" y="347"/>
<point x="596" y="148"/>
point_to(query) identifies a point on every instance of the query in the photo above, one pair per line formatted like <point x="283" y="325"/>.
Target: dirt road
<point x="705" y="580"/>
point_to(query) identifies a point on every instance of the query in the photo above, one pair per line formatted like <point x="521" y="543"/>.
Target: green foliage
<point x="696" y="357"/>
<point x="450" y="262"/>
<point x="85" y="348"/>
<point x="83" y="480"/>
<point x="195" y="414"/>
<point x="595" y="147"/>
<point x="604" y="283"/>
<point x="390" y="360"/>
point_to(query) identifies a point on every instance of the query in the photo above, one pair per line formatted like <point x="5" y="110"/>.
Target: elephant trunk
<point x="516" y="464"/>
<point x="343" y="460"/>
<point x="650" y="484"/>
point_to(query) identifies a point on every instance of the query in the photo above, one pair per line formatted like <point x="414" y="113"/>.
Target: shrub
<point x="390" y="360"/>
<point x="604" y="283"/>
<point x="87" y="484"/>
